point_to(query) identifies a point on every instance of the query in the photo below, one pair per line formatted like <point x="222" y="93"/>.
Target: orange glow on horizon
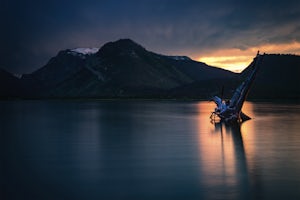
<point x="236" y="59"/>
<point x="232" y="63"/>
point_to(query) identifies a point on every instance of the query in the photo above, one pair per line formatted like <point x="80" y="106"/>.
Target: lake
<point x="147" y="150"/>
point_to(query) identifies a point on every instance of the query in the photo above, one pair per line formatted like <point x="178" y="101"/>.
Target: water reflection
<point x="146" y="150"/>
<point x="223" y="158"/>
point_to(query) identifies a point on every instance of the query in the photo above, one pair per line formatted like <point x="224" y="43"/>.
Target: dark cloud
<point x="34" y="31"/>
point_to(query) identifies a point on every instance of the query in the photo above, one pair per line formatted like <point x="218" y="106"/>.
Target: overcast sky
<point x="219" y="32"/>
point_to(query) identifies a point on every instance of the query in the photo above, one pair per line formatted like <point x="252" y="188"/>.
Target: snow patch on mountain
<point x="19" y="76"/>
<point x="98" y="74"/>
<point x="86" y="51"/>
<point x="179" y="57"/>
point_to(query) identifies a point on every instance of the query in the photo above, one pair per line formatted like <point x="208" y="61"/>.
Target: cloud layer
<point x="34" y="31"/>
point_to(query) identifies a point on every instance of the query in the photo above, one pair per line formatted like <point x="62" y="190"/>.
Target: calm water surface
<point x="147" y="150"/>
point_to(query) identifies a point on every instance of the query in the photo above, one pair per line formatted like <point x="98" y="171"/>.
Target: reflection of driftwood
<point x="232" y="147"/>
<point x="230" y="111"/>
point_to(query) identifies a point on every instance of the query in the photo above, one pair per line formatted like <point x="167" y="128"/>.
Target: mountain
<point x="277" y="78"/>
<point x="125" y="69"/>
<point x="66" y="64"/>
<point x="118" y="69"/>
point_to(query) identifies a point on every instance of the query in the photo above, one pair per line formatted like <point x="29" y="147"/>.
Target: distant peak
<point x="121" y="45"/>
<point x="126" y="41"/>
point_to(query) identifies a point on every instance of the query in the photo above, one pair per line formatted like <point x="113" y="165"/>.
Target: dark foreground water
<point x="147" y="150"/>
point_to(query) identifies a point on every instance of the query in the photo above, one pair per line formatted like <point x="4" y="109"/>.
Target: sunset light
<point x="236" y="59"/>
<point x="232" y="63"/>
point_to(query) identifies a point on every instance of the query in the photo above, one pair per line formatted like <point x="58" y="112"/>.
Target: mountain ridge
<point x="125" y="69"/>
